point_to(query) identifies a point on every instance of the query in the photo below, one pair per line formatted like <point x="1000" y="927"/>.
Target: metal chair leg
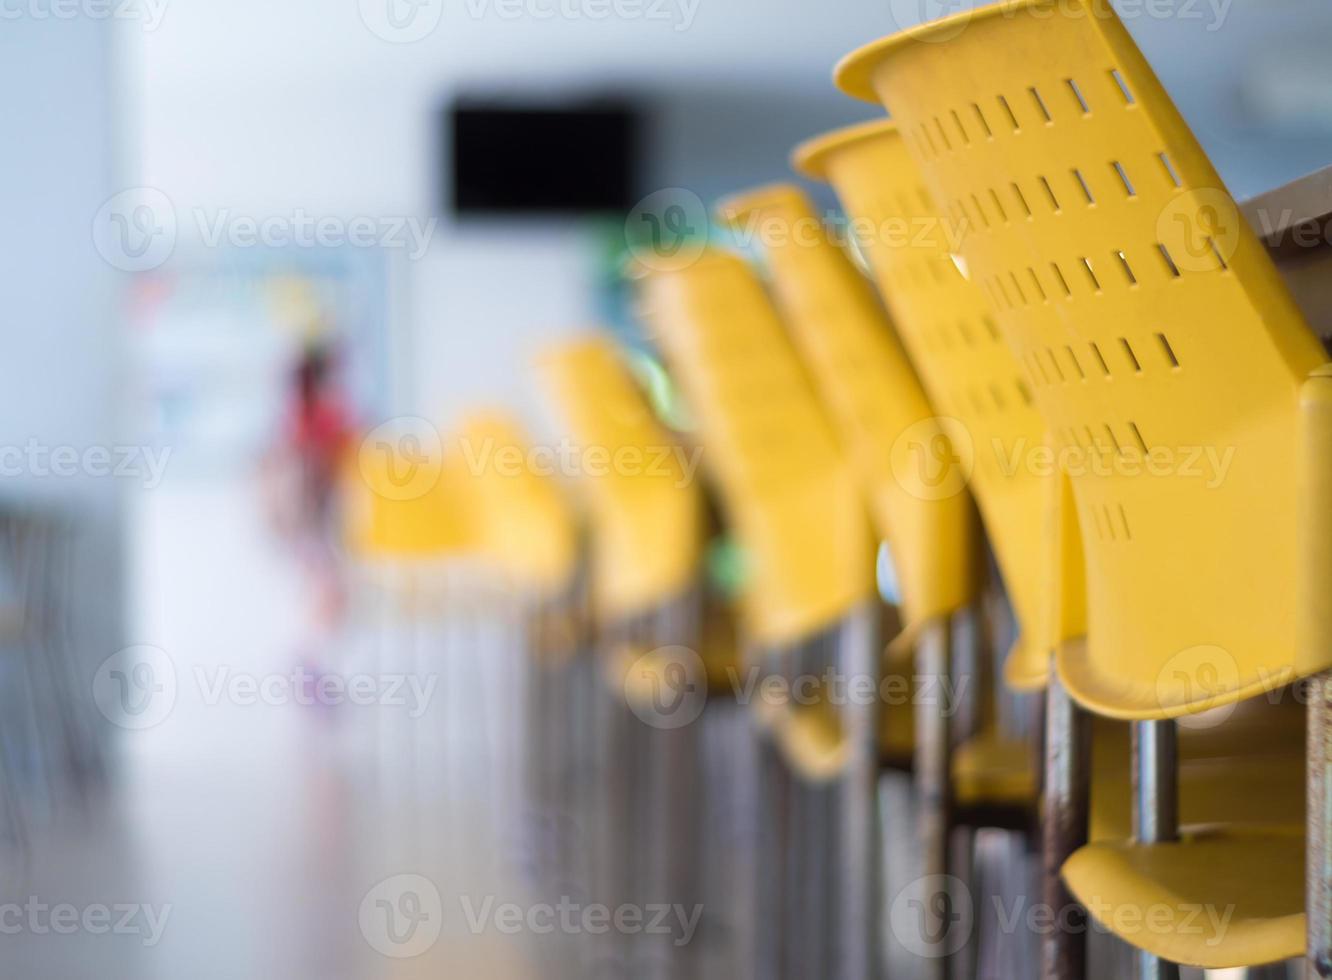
<point x="1064" y="820"/>
<point x="964" y="964"/>
<point x="857" y="845"/>
<point x="800" y="846"/>
<point x="1155" y="811"/>
<point x="1318" y="872"/>
<point x="810" y="844"/>
<point x="774" y="797"/>
<point x="933" y="783"/>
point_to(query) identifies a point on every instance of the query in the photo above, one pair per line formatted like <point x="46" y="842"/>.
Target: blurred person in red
<point x="316" y="434"/>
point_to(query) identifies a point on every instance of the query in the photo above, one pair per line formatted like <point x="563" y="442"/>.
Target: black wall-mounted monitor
<point x="511" y="158"/>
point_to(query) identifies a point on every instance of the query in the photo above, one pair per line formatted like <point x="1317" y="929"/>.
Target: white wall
<point x="263" y="107"/>
<point x="60" y="374"/>
<point x="55" y="291"/>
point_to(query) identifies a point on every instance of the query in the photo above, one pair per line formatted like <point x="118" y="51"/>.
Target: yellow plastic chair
<point x="871" y="392"/>
<point x="401" y="505"/>
<point x="522" y="578"/>
<point x="972" y="381"/>
<point x="521" y="522"/>
<point x="913" y="474"/>
<point x="916" y="475"/>
<point x="645" y="520"/>
<point x="792" y="499"/>
<point x="1149" y="320"/>
<point x="646" y="512"/>
<point x="879" y="184"/>
<point x="404" y="528"/>
<point x="783" y="482"/>
<point x="974" y="385"/>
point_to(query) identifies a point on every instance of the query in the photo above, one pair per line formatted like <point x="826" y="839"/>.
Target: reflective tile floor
<point x="245" y="836"/>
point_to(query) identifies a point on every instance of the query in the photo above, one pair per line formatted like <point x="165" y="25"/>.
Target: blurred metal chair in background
<point x="980" y="399"/>
<point x="645" y="520"/>
<point x="51" y="753"/>
<point x="404" y="523"/>
<point x="1149" y="320"/>
<point x="526" y="552"/>
<point x="921" y="505"/>
<point x="467" y="571"/>
<point x="791" y="498"/>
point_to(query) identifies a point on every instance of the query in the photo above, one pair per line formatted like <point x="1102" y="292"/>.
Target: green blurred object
<point x="662" y="391"/>
<point x="727" y="566"/>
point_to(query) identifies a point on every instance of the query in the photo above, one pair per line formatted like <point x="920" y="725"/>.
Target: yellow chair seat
<point x="1027" y="664"/>
<point x="1208" y="671"/>
<point x="995" y="770"/>
<point x="1215" y="899"/>
<point x="813" y="744"/>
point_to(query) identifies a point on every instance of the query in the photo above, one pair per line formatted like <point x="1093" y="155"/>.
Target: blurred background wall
<point x="264" y="107"/>
<point x="62" y="376"/>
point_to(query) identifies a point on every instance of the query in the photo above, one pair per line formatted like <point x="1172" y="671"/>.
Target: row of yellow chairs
<point x="1072" y="324"/>
<point x="1068" y="281"/>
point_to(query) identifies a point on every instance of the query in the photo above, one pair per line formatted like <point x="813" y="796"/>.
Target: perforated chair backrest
<point x="645" y="506"/>
<point x="917" y="496"/>
<point x="1162" y="348"/>
<point x="788" y="491"/>
<point x="971" y="377"/>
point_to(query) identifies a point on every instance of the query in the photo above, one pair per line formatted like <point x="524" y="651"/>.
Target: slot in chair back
<point x="1152" y="328"/>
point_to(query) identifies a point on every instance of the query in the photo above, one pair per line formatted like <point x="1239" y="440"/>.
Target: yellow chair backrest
<point x="788" y="491"/>
<point x="645" y="509"/>
<point x="971" y="377"/>
<point x="402" y="502"/>
<point x="920" y="504"/>
<point x="1160" y="345"/>
<point x="520" y="523"/>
